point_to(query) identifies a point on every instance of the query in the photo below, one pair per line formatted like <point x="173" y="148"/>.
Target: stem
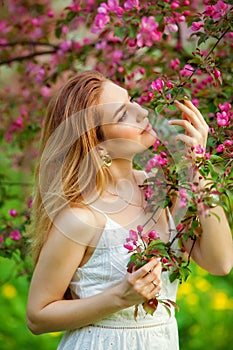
<point x="193" y="244"/>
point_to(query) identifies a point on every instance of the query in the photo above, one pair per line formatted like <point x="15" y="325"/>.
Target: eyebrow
<point x="118" y="110"/>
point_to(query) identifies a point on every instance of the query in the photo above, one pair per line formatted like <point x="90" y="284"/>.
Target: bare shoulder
<point x="77" y="223"/>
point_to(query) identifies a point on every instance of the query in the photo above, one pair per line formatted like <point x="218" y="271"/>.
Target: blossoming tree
<point x="159" y="50"/>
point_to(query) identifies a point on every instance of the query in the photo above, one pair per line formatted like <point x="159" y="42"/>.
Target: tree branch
<point x="26" y="57"/>
<point x="29" y="43"/>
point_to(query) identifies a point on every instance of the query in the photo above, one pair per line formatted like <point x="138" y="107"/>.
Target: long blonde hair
<point x="69" y="164"/>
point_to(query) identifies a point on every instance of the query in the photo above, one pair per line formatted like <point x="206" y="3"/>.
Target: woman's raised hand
<point x="142" y="284"/>
<point x="196" y="129"/>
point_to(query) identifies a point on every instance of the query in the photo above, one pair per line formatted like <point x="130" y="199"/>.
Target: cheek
<point x="121" y="131"/>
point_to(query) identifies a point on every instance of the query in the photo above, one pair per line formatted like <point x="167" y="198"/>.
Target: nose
<point x="142" y="113"/>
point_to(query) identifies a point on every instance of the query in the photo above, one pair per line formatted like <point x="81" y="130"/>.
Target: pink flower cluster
<point x="133" y="240"/>
<point x="148" y="32"/>
<point x="225" y="116"/>
<point x="216" y="11"/>
<point x="157" y="161"/>
<point x="157" y="84"/>
<point x="102" y="18"/>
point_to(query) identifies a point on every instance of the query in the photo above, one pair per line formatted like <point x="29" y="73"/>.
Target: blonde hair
<point x="69" y="164"/>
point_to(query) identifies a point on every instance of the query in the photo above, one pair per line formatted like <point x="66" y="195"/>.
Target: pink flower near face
<point x="157" y="84"/>
<point x="196" y="26"/>
<point x="187" y="70"/>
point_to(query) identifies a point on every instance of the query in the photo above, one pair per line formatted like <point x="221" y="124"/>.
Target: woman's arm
<point x="213" y="250"/>
<point x="47" y="311"/>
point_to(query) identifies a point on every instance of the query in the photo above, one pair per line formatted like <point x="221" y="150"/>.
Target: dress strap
<point x="172" y="226"/>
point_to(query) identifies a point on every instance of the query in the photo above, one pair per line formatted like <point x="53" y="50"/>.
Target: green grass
<point x="205" y="318"/>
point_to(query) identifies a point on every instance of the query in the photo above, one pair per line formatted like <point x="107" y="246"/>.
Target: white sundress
<point x="120" y="331"/>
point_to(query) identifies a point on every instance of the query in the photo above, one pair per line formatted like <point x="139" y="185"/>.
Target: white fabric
<point x="120" y="331"/>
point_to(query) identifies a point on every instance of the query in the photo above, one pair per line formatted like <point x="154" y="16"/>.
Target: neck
<point x="121" y="169"/>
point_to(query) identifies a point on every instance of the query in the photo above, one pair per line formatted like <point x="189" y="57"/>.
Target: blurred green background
<point x="205" y="318"/>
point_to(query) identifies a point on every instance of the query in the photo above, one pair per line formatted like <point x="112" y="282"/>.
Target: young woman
<point x="86" y="200"/>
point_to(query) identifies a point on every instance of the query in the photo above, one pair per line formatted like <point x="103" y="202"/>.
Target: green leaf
<point x="58" y="32"/>
<point x="119" y="31"/>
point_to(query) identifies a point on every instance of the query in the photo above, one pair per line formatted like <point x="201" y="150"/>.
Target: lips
<point x="148" y="128"/>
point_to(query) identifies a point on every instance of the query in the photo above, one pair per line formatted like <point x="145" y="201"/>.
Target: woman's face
<point x="126" y="128"/>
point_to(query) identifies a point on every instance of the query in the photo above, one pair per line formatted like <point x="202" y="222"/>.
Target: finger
<point x="188" y="140"/>
<point x="189" y="113"/>
<point x="145" y="269"/>
<point x="189" y="128"/>
<point x="189" y="104"/>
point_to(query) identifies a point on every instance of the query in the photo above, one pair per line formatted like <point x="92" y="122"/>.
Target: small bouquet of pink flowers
<point x="145" y="246"/>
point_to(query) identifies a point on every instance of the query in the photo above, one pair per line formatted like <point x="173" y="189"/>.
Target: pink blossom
<point x="117" y="55"/>
<point x="29" y="204"/>
<point x="15" y="235"/>
<point x="169" y="84"/>
<point x="103" y="9"/>
<point x="140" y="228"/>
<point x="224" y="107"/>
<point x="101" y="20"/>
<point x="153" y="235"/>
<point x="228" y="143"/>
<point x="199" y="149"/>
<point x="222" y="119"/>
<point x="45" y="91"/>
<point x="195" y="102"/>
<point x="170" y="28"/>
<point x="196" y="26"/>
<point x="1" y="239"/>
<point x="175" y="63"/>
<point x="133" y="235"/>
<point x="148" y="32"/>
<point x="220" y="148"/>
<point x="179" y="227"/>
<point x="13" y="212"/>
<point x="217" y="73"/>
<point x="207" y="155"/>
<point x="220" y="9"/>
<point x="131" y="4"/>
<point x="148" y="193"/>
<point x="129" y="246"/>
<point x="50" y="14"/>
<point x="187" y="70"/>
<point x="175" y="5"/>
<point x="74" y="7"/>
<point x="157" y="84"/>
